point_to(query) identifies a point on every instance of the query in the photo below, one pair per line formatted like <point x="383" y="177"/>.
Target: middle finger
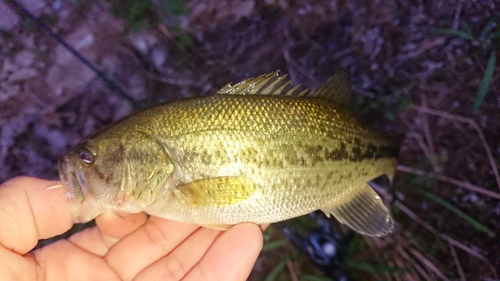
<point x="155" y="239"/>
<point x="111" y="227"/>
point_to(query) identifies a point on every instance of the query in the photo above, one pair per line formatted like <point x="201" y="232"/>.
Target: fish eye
<point x="86" y="156"/>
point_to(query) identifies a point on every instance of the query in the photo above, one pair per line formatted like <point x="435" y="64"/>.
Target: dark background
<point x="423" y="71"/>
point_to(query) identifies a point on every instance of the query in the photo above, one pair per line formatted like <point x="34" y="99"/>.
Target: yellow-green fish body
<point x="259" y="151"/>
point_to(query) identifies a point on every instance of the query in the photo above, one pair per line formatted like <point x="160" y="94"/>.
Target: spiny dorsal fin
<point x="267" y="84"/>
<point x="337" y="88"/>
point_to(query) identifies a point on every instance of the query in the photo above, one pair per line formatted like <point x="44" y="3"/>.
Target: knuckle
<point x="155" y="233"/>
<point x="175" y="268"/>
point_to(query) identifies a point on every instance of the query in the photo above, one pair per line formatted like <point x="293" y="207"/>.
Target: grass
<point x="138" y="14"/>
<point x="141" y="14"/>
<point x="363" y="263"/>
<point x="314" y="278"/>
<point x="429" y="184"/>
<point x="487" y="40"/>
<point x="471" y="221"/>
<point x="485" y="82"/>
<point x="274" y="245"/>
<point x="375" y="269"/>
<point x="276" y="273"/>
<point x="371" y="102"/>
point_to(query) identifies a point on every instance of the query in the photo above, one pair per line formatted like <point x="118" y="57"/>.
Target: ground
<point x="423" y="71"/>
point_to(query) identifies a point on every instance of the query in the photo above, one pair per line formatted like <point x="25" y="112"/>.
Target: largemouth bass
<point x="259" y="151"/>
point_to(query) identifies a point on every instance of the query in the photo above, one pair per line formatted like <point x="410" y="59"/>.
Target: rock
<point x="143" y="41"/>
<point x="33" y="6"/>
<point x="24" y="58"/>
<point x="9" y="18"/>
<point x="23" y="75"/>
<point x="80" y="40"/>
<point x="69" y="72"/>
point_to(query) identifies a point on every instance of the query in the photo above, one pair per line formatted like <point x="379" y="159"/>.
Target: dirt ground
<point x="425" y="72"/>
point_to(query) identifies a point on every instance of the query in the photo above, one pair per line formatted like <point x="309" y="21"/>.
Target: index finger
<point x="29" y="212"/>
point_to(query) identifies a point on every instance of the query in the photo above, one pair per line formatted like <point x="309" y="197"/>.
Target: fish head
<point x="109" y="173"/>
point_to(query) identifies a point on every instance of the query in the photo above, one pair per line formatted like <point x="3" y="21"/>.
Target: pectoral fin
<point x="217" y="191"/>
<point x="364" y="212"/>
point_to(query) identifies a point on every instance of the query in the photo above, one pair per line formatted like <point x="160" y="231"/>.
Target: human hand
<point x="120" y="247"/>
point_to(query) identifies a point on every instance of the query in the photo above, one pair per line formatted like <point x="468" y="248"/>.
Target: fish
<point x="258" y="151"/>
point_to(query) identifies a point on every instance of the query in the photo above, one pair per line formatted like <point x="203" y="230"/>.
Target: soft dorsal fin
<point x="266" y="84"/>
<point x="337" y="88"/>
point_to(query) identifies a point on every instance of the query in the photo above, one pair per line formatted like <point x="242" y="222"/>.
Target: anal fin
<point x="364" y="212"/>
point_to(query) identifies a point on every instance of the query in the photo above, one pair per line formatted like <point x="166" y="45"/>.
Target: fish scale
<point x="259" y="151"/>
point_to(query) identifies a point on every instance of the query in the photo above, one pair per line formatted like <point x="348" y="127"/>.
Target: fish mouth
<point x="82" y="204"/>
<point x="75" y="183"/>
<point x="73" y="180"/>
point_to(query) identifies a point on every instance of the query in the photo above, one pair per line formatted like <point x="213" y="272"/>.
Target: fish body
<point x="260" y="151"/>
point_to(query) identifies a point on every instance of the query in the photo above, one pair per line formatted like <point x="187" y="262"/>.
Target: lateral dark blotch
<point x="337" y="154"/>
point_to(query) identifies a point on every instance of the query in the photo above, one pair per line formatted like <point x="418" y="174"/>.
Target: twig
<point x="110" y="83"/>
<point x="164" y="30"/>
<point x="429" y="264"/>
<point x="456" y="182"/>
<point x="428" y="153"/>
<point x="400" y="59"/>
<point x="398" y="277"/>
<point x="174" y="81"/>
<point x="456" y="18"/>
<point x="427" y="226"/>
<point x="291" y="270"/>
<point x="427" y="129"/>
<point x="416" y="266"/>
<point x="474" y="125"/>
<point x="446" y="238"/>
<point x="291" y="66"/>
<point x="377" y="243"/>
<point x="457" y="263"/>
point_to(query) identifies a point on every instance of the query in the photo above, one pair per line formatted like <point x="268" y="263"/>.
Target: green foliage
<point x="466" y="34"/>
<point x="28" y="24"/>
<point x="274" y="244"/>
<point x="487" y="40"/>
<point x="146" y="13"/>
<point x="176" y="7"/>
<point x="486" y="82"/>
<point x="386" y="104"/>
<point x="364" y="266"/>
<point x="414" y="185"/>
<point x="183" y="38"/>
<point x="314" y="278"/>
<point x="275" y="273"/>
<point x="138" y="13"/>
<point x="474" y="223"/>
